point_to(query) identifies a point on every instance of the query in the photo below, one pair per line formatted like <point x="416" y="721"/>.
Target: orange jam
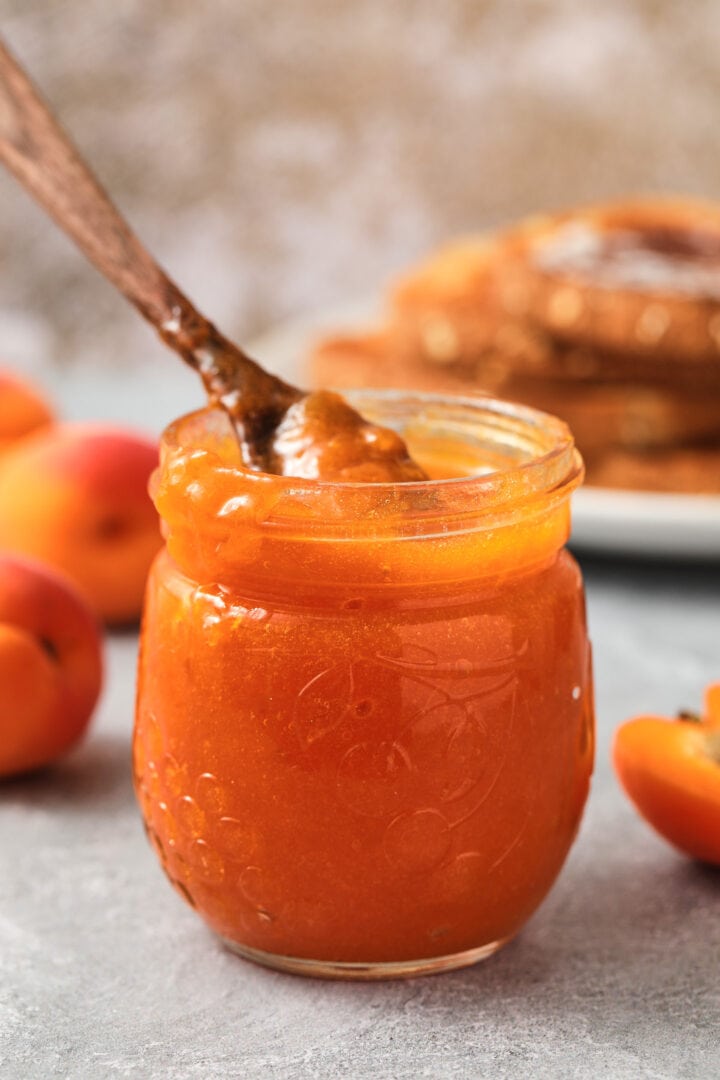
<point x="364" y="730"/>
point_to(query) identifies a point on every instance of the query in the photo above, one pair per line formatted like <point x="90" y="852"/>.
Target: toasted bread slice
<point x="607" y="316"/>
<point x="631" y="415"/>
<point x="640" y="278"/>
<point x="689" y="470"/>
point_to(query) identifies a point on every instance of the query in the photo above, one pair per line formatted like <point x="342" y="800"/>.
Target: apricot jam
<point x="364" y="729"/>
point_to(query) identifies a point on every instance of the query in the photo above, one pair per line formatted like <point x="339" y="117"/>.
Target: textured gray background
<point x="281" y="158"/>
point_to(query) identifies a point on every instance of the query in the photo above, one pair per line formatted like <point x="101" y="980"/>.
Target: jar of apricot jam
<point x="364" y="729"/>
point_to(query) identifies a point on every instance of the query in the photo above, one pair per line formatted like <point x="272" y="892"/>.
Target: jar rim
<point x="225" y="522"/>
<point x="547" y="460"/>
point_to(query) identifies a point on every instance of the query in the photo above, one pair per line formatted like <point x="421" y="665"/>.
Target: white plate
<point x="635" y="523"/>
<point x="646" y="523"/>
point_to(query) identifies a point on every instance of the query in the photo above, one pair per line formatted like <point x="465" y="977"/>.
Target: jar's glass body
<point x="364" y="727"/>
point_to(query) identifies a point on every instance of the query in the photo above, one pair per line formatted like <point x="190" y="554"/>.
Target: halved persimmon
<point x="671" y="771"/>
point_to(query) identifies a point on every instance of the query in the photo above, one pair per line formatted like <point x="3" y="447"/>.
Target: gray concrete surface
<point x="104" y="973"/>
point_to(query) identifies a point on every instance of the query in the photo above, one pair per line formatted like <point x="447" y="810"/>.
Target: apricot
<point x="75" y="496"/>
<point x="22" y="409"/>
<point x="50" y="665"/>
<point x="670" y="769"/>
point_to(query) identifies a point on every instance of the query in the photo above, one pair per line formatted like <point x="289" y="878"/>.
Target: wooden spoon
<point x="280" y="428"/>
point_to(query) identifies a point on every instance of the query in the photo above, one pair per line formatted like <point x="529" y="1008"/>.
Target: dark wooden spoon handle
<point x="37" y="151"/>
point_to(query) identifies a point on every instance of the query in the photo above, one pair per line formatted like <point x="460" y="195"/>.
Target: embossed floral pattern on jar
<point x="365" y="729"/>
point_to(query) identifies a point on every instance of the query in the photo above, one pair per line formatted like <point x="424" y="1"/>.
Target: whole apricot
<point x="22" y="409"/>
<point x="75" y="496"/>
<point x="50" y="665"/>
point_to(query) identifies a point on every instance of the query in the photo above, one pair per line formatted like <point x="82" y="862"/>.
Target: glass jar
<point x="364" y="728"/>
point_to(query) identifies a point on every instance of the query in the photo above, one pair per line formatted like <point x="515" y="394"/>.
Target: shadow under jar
<point x="364" y="731"/>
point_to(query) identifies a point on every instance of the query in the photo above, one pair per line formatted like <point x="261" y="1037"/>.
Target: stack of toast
<point x="607" y="316"/>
